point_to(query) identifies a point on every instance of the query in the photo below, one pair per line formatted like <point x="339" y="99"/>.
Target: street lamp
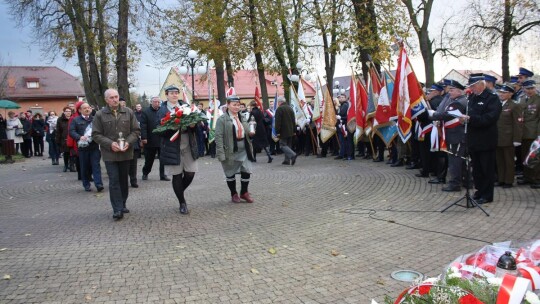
<point x="192" y="61"/>
<point x="296" y="78"/>
<point x="159" y="76"/>
<point x="338" y="89"/>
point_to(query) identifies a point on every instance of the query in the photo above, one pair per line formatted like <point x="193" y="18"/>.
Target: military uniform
<point x="531" y="129"/>
<point x="509" y="130"/>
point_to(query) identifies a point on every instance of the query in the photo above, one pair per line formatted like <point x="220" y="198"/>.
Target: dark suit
<point x="509" y="130"/>
<point x="484" y="111"/>
<point x="149" y="121"/>
<point x="531" y="129"/>
<point x="285" y="125"/>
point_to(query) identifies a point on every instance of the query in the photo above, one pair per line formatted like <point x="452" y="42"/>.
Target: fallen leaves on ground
<point x="7" y="277"/>
<point x="272" y="250"/>
<point x="334" y="252"/>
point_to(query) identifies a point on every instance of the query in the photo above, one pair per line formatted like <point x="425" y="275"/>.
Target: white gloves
<point x="517" y="144"/>
<point x="338" y="117"/>
<point x="430" y="112"/>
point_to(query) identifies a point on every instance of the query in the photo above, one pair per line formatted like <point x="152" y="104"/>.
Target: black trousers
<point x="150" y="154"/>
<point x="484" y="164"/>
<point x="118" y="172"/>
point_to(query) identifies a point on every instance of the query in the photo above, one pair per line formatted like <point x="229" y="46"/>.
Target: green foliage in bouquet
<point x="178" y="121"/>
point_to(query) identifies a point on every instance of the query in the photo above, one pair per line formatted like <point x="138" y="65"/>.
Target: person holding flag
<point x="259" y="140"/>
<point x="453" y="132"/>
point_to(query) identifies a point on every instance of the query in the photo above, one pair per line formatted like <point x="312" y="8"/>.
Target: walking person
<point x="179" y="156"/>
<point x="234" y="150"/>
<point x="260" y="139"/>
<point x="150" y="142"/>
<point x="285" y="125"/>
<point x="116" y="130"/>
<point x="80" y="130"/>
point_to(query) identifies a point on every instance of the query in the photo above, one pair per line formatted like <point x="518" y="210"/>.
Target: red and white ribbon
<point x="175" y="136"/>
<point x="532" y="274"/>
<point x="512" y="290"/>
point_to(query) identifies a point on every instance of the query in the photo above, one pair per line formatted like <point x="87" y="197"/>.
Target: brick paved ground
<point x="339" y="229"/>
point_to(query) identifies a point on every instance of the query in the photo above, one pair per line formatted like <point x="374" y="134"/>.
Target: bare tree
<point x="489" y="24"/>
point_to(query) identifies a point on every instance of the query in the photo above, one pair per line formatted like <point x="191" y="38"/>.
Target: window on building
<point x="32" y="85"/>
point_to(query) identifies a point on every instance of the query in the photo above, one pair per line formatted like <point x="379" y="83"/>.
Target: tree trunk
<point x="121" y="53"/>
<point x="257" y="51"/>
<point x="506" y="36"/>
<point x="427" y="55"/>
<point x="103" y="59"/>
<point x="220" y="80"/>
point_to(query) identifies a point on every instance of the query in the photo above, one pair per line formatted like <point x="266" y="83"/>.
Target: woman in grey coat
<point x="234" y="150"/>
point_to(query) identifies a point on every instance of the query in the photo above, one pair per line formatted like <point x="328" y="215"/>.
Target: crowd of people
<point x="490" y="124"/>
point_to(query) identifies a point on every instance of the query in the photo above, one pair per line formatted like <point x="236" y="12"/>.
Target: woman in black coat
<point x="260" y="140"/>
<point x="38" y="132"/>
<point x="62" y="126"/>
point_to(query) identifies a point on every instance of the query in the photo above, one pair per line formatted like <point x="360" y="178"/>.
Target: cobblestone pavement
<point x="338" y="228"/>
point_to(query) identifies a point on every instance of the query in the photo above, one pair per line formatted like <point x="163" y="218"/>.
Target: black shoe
<point x="451" y="188"/>
<point x="535" y="186"/>
<point x="399" y="163"/>
<point x="125" y="210"/>
<point x="65" y="169"/>
<point x="293" y="160"/>
<point x="389" y="162"/>
<point x="367" y="156"/>
<point x="338" y="157"/>
<point x="118" y="215"/>
<point x="165" y="178"/>
<point x="87" y="189"/>
<point x="436" y="181"/>
<point x="286" y="162"/>
<point x="360" y="155"/>
<point x="412" y="166"/>
<point x="377" y="160"/>
<point x="506" y="186"/>
<point x="522" y="182"/>
<point x="499" y="184"/>
<point x="100" y="188"/>
<point x="183" y="208"/>
<point x="145" y="177"/>
<point x="481" y="201"/>
<point x="421" y="175"/>
<point x="135" y="185"/>
<point x="270" y="159"/>
<point x="476" y="195"/>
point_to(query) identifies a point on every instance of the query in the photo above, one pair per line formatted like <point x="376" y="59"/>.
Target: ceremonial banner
<point x="407" y="98"/>
<point x="274" y="133"/>
<point x="329" y="120"/>
<point x="351" y="112"/>
<point x="258" y="99"/>
<point x="383" y="112"/>
<point x="296" y="104"/>
<point x="361" y="107"/>
<point x="317" y="106"/>
<point x="373" y="90"/>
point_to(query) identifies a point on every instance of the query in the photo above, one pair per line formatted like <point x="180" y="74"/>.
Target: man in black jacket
<point x="151" y="141"/>
<point x="484" y="110"/>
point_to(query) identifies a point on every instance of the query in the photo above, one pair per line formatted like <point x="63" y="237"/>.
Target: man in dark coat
<point x="285" y="125"/>
<point x="484" y="111"/>
<point x="151" y="141"/>
<point x="260" y="139"/>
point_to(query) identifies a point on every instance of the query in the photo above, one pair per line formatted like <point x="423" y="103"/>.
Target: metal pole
<point x="192" y="81"/>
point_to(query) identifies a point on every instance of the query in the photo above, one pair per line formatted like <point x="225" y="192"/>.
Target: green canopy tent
<point x="8" y="104"/>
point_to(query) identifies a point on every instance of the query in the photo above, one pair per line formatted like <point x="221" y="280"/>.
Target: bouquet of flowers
<point x="179" y="121"/>
<point x="475" y="278"/>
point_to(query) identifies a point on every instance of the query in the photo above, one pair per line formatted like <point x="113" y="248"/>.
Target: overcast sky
<point x="17" y="49"/>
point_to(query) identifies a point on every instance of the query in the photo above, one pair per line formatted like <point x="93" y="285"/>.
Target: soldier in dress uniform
<point x="509" y="129"/>
<point x="530" y="105"/>
<point x="522" y="76"/>
<point x="440" y="158"/>
<point x="454" y="132"/>
<point x="484" y="111"/>
<point x="490" y="82"/>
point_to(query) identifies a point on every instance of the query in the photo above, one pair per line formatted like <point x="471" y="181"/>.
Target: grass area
<point x="16" y="158"/>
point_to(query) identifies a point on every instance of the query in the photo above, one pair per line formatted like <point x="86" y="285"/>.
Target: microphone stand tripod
<point x="469" y="200"/>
